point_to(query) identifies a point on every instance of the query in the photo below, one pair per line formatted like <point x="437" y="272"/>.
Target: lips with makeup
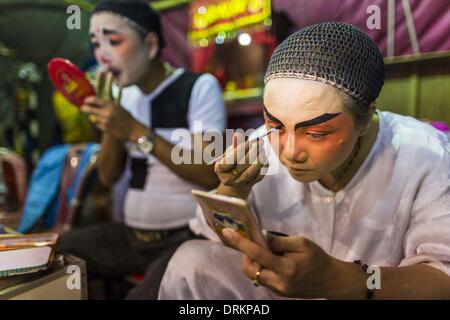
<point x="302" y="175"/>
<point x="298" y="171"/>
<point x="293" y="168"/>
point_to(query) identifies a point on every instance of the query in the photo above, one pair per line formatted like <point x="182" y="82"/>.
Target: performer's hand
<point x="240" y="168"/>
<point x="296" y="267"/>
<point x="112" y="119"/>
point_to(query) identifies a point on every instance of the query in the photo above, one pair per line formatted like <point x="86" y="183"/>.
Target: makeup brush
<point x="250" y="141"/>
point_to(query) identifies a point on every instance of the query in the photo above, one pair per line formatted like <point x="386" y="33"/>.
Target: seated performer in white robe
<point x="363" y="195"/>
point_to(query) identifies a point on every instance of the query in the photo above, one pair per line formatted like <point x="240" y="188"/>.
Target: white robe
<point x="394" y="212"/>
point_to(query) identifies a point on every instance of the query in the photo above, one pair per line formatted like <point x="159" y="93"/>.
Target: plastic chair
<point x="69" y="211"/>
<point x="14" y="186"/>
<point x="14" y="172"/>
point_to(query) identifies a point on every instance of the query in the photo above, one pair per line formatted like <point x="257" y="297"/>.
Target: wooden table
<point x="10" y="219"/>
<point x="64" y="280"/>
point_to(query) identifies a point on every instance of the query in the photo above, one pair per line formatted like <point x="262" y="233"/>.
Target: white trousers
<point x="203" y="269"/>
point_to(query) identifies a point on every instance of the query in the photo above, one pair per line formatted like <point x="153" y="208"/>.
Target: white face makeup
<point x="304" y="100"/>
<point x="317" y="133"/>
<point x="118" y="48"/>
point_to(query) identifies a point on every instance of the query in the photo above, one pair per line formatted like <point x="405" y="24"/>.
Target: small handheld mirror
<point x="69" y="80"/>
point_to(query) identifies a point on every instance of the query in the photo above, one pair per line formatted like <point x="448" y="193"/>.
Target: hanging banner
<point x="208" y="17"/>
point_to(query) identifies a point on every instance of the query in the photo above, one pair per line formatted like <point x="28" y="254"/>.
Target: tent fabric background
<point x="431" y="20"/>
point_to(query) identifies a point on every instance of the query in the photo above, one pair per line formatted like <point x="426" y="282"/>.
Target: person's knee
<point x="188" y="263"/>
<point x="200" y="262"/>
<point x="190" y="257"/>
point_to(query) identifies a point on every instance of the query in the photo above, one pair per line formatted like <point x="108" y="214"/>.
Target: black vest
<point x="169" y="110"/>
<point x="170" y="107"/>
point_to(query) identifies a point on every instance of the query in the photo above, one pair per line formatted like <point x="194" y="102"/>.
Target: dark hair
<point x="137" y="13"/>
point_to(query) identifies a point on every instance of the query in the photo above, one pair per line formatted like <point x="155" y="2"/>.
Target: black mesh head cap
<point x="137" y="13"/>
<point x="335" y="53"/>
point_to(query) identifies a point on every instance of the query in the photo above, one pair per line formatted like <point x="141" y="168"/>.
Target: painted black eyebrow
<point x="108" y="31"/>
<point x="315" y="121"/>
<point x="271" y="117"/>
<point x="105" y="32"/>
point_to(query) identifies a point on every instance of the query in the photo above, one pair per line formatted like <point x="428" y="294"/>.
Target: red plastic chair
<point x="14" y="171"/>
<point x="68" y="212"/>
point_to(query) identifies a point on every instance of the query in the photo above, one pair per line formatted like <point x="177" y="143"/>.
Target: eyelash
<point x="95" y="45"/>
<point x="274" y="125"/>
<point x="115" y="42"/>
<point x="316" y="136"/>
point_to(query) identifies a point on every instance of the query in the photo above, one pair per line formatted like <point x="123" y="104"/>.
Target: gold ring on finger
<point x="255" y="281"/>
